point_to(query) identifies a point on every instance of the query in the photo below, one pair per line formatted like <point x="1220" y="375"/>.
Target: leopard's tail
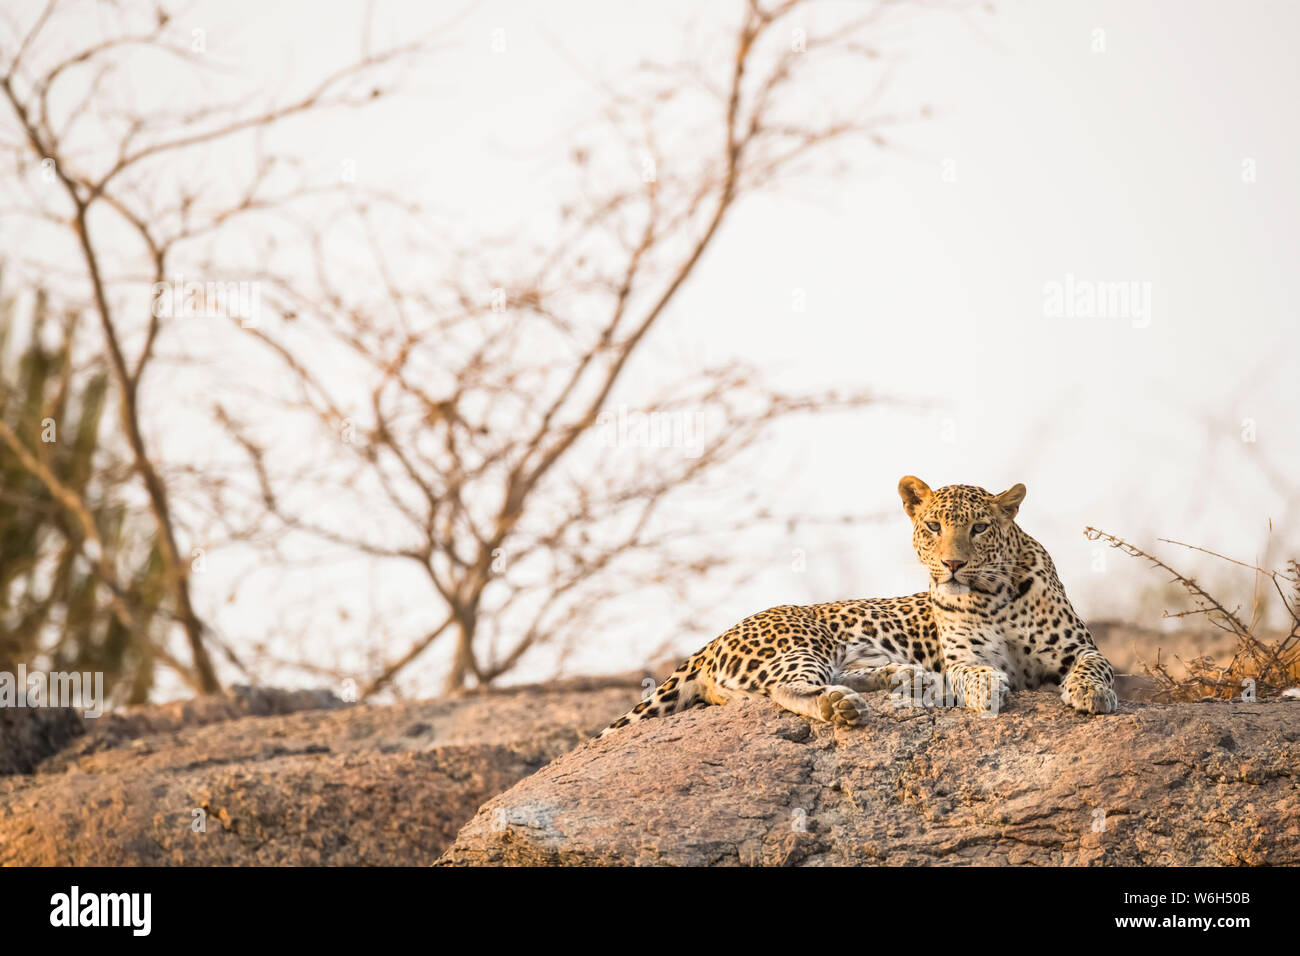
<point x="683" y="689"/>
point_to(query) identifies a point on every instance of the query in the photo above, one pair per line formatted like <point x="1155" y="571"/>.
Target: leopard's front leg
<point x="975" y="662"/>
<point x="1090" y="684"/>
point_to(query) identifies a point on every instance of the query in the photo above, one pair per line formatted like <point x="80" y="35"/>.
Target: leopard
<point x="995" y="619"/>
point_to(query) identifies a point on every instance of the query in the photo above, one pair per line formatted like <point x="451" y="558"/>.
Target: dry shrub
<point x="1266" y="666"/>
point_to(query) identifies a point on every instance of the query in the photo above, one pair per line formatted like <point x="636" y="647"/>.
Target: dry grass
<point x="1260" y="664"/>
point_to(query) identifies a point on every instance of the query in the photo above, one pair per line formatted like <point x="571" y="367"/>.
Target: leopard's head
<point x="962" y="534"/>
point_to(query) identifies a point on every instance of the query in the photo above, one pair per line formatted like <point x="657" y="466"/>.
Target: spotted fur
<point x="995" y="619"/>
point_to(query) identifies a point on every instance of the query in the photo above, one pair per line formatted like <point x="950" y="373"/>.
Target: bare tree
<point x="103" y="160"/>
<point x="473" y="407"/>
<point x="488" y="420"/>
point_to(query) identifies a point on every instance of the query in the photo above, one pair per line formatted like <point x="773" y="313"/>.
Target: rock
<point x="386" y="785"/>
<point x="242" y="701"/>
<point x="1153" y="784"/>
<point x="30" y="734"/>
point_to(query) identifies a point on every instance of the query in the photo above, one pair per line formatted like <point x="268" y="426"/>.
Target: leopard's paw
<point x="1089" y="695"/>
<point x="841" y="705"/>
<point x="985" y="690"/>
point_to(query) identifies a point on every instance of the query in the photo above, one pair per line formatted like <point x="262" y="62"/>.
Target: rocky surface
<point x="242" y="701"/>
<point x="289" y="779"/>
<point x="281" y="777"/>
<point x="1154" y="784"/>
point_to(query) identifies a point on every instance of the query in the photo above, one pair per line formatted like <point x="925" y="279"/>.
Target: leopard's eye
<point x="978" y="527"/>
<point x="933" y="526"/>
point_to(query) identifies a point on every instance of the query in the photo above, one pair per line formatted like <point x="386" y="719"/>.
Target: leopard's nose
<point x="954" y="566"/>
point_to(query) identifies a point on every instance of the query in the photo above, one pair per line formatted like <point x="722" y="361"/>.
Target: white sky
<point x="1122" y="165"/>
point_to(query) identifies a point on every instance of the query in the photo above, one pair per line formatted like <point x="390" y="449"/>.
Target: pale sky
<point x="1089" y="142"/>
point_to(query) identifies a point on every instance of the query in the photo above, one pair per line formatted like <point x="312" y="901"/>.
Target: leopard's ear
<point x="1009" y="501"/>
<point x="914" y="493"/>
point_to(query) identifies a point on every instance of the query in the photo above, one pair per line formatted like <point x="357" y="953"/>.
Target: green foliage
<point x="54" y="606"/>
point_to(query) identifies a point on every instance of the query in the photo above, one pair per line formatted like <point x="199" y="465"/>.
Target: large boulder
<point x="1153" y="784"/>
<point x="211" y="782"/>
